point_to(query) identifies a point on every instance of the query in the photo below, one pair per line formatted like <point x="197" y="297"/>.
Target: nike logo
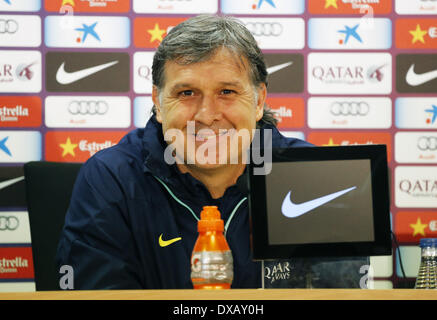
<point x="414" y="79"/>
<point x="7" y="183"/>
<point x="292" y="210"/>
<point x="64" y="77"/>
<point x="165" y="243"/>
<point x="278" y="67"/>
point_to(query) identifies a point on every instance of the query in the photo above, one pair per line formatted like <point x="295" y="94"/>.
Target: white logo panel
<point x="87" y="32"/>
<point x="416" y="113"/>
<point x="349" y="33"/>
<point x="20" y="31"/>
<point x="87" y="112"/>
<point x="349" y="113"/>
<point x="277" y="33"/>
<point x="20" y="146"/>
<point x="416" y="186"/>
<point x="175" y="6"/>
<point x="143" y="72"/>
<point x="254" y="7"/>
<point x="14" y="227"/>
<point x="349" y="73"/>
<point x="142" y="111"/>
<point x="20" y="71"/>
<point x="20" y="5"/>
<point x="408" y="7"/>
<point x="416" y="147"/>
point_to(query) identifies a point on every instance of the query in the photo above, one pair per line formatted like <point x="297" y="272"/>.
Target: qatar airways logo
<point x="349" y="75"/>
<point x="205" y="146"/>
<point x="416" y="186"/>
<point x="419" y="187"/>
<point x="278" y="271"/>
<point x="20" y="71"/>
<point x="357" y="73"/>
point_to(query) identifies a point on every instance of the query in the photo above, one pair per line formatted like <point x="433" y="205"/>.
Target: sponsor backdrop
<point x="75" y="76"/>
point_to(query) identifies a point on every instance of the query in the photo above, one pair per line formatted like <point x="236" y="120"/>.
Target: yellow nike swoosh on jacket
<point x="165" y="243"/>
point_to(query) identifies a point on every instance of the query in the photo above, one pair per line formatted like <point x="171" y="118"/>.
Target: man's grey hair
<point x="197" y="39"/>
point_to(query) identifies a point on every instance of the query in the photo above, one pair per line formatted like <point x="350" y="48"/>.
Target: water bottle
<point x="427" y="276"/>
<point x="211" y="261"/>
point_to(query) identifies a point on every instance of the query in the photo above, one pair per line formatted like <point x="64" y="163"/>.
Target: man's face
<point x="219" y="98"/>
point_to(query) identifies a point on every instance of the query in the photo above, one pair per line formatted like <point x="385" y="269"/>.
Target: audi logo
<point x="351" y="108"/>
<point x="8" y="223"/>
<point x="8" y="26"/>
<point x="88" y="107"/>
<point x="427" y="143"/>
<point x="265" y="28"/>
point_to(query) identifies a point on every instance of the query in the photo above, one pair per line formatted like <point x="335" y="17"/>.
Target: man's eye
<point x="227" y="91"/>
<point x="186" y="93"/>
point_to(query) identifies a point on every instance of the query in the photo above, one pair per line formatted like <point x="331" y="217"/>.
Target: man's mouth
<point x="206" y="136"/>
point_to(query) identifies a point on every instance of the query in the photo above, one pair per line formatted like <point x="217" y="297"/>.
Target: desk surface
<point x="234" y="294"/>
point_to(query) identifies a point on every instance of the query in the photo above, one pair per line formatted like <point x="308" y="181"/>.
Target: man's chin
<point x="212" y="163"/>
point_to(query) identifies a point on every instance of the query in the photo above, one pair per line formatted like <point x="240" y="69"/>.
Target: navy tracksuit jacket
<point x="126" y="197"/>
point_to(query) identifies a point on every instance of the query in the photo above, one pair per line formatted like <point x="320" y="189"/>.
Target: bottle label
<point x="429" y="252"/>
<point x="211" y="267"/>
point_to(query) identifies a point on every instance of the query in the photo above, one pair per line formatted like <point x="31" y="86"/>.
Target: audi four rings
<point x="265" y="28"/>
<point x="8" y="26"/>
<point x="87" y="107"/>
<point x="8" y="223"/>
<point x="349" y="108"/>
<point x="427" y="143"/>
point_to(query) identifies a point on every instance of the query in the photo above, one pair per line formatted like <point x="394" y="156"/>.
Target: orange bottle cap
<point x="210" y="220"/>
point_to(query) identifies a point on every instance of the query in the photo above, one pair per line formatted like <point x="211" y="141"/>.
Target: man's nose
<point x="208" y="111"/>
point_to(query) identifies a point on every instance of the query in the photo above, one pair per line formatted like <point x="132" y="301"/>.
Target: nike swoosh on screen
<point x="414" y="79"/>
<point x="292" y="210"/>
<point x="278" y="67"/>
<point x="64" y="77"/>
<point x="7" y="183"/>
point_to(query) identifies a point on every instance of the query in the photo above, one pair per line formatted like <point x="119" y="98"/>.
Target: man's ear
<point x="262" y="95"/>
<point x="155" y="99"/>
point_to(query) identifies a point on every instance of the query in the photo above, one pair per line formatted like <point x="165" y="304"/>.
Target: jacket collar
<point x="154" y="146"/>
<point x="185" y="185"/>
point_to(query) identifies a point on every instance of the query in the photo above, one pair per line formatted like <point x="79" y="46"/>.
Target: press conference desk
<point x="234" y="294"/>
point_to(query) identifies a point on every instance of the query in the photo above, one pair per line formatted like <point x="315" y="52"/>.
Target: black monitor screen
<point x="321" y="210"/>
<point x="322" y="201"/>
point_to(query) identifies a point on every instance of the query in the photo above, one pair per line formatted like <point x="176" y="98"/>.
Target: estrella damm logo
<point x="74" y="146"/>
<point x="149" y="32"/>
<point x="20" y="111"/>
<point x="416" y="33"/>
<point x="349" y="7"/>
<point x="116" y="6"/>
<point x="411" y="226"/>
<point x="351" y="138"/>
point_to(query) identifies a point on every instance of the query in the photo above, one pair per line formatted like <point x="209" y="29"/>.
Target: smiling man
<point x="215" y="104"/>
<point x="132" y="221"/>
